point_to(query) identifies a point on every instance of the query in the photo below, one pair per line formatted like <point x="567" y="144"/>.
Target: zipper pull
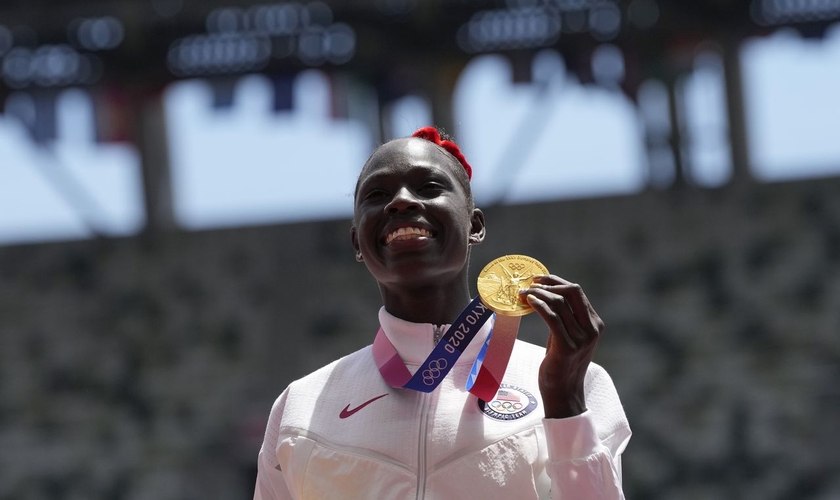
<point x="438" y="333"/>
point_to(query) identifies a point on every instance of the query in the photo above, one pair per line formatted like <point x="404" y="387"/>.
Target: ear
<point x="354" y="240"/>
<point x="477" y="228"/>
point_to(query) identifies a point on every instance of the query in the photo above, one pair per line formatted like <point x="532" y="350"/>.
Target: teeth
<point x="407" y="233"/>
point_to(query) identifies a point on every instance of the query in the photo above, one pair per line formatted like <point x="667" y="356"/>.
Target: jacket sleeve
<point x="271" y="484"/>
<point x="580" y="464"/>
<point x="584" y="452"/>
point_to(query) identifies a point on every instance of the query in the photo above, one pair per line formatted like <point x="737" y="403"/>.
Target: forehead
<point x="408" y="156"/>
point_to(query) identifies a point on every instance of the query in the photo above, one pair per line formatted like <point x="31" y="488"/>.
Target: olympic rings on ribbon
<point x="433" y="371"/>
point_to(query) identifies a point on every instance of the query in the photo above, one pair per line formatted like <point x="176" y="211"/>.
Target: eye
<point x="374" y="194"/>
<point x="432" y="186"/>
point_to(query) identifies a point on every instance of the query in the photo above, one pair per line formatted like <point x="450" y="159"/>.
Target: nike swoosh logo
<point x="346" y="412"/>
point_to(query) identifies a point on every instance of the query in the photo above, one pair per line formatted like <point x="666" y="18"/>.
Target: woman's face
<point x="414" y="216"/>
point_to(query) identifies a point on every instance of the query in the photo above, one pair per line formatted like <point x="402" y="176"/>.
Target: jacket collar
<point x="415" y="341"/>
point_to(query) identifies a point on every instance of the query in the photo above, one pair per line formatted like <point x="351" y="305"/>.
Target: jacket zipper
<point x="438" y="333"/>
<point x="421" y="445"/>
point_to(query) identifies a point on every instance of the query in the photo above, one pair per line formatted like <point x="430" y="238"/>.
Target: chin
<point x="417" y="272"/>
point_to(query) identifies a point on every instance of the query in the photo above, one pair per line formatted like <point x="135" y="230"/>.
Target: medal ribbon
<point x="487" y="370"/>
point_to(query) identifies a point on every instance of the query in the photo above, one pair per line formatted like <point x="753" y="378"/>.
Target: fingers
<point x="573" y="293"/>
<point x="555" y="311"/>
<point x="570" y="290"/>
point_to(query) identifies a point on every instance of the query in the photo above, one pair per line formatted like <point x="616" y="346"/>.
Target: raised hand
<point x="574" y="330"/>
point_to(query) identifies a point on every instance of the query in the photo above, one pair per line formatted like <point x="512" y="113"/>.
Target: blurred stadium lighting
<point x="532" y="24"/>
<point x="226" y="20"/>
<point x="276" y="19"/>
<point x="49" y="66"/>
<point x="608" y="65"/>
<point x="335" y="44"/>
<point x="240" y="40"/>
<point x="102" y="33"/>
<point x="269" y="19"/>
<point x="218" y="54"/>
<point x="567" y="5"/>
<point x="528" y="27"/>
<point x="774" y="12"/>
<point x="605" y="21"/>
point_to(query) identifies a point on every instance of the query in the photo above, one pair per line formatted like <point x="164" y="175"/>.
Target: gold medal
<point x="500" y="281"/>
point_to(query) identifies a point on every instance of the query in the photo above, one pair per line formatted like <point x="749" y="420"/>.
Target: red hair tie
<point x="432" y="135"/>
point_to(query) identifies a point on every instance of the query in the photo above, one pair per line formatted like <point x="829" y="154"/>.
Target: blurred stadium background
<point x="175" y="198"/>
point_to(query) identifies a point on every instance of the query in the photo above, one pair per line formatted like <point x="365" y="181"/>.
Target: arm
<point x="584" y="451"/>
<point x="580" y="463"/>
<point x="584" y="447"/>
<point x="271" y="483"/>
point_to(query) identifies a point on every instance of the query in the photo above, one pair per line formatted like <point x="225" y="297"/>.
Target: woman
<point x="344" y="432"/>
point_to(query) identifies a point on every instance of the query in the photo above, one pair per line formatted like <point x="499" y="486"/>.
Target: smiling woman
<point x="415" y="185"/>
<point x="336" y="434"/>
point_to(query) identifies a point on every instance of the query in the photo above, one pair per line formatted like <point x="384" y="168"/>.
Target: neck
<point x="434" y="304"/>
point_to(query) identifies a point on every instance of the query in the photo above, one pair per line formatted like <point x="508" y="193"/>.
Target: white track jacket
<point x="343" y="433"/>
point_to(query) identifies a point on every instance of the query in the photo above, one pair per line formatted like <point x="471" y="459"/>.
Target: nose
<point x="403" y="200"/>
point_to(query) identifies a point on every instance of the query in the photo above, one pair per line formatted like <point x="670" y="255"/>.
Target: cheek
<point x="366" y="234"/>
<point x="464" y="224"/>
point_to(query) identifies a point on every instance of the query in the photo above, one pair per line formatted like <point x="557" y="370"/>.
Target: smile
<point x="407" y="233"/>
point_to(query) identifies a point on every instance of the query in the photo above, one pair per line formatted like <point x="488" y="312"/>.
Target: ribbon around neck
<point x="487" y="370"/>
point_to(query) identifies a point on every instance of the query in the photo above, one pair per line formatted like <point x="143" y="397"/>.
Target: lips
<point x="407" y="233"/>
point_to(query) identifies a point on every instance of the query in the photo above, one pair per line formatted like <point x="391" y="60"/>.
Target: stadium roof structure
<point x="156" y="41"/>
<point x="129" y="50"/>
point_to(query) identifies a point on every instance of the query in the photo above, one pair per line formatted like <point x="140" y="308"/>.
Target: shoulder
<point x="354" y="363"/>
<point x="597" y="378"/>
<point x="315" y="382"/>
<point x="301" y="396"/>
<point x="306" y="396"/>
<point x="603" y="401"/>
<point x="313" y="405"/>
